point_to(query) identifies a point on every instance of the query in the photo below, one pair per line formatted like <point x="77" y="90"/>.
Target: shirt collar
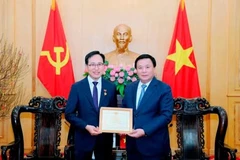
<point x="90" y="80"/>
<point x="140" y="84"/>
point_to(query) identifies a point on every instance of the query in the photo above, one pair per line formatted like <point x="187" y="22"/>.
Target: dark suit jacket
<point x="80" y="101"/>
<point x="153" y="116"/>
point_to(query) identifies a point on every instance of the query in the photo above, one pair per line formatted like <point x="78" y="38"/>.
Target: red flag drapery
<point x="55" y="65"/>
<point x="180" y="69"/>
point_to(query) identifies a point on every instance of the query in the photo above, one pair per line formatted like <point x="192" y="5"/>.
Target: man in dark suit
<point x="152" y="104"/>
<point x="82" y="111"/>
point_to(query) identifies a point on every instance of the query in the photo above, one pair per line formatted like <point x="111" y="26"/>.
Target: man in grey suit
<point x="82" y="111"/>
<point x="152" y="104"/>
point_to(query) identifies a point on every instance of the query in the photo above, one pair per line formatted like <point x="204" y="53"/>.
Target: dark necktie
<point x="142" y="93"/>
<point x="95" y="95"/>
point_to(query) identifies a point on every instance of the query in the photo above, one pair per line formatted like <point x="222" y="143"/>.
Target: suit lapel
<point x="102" y="97"/>
<point x="135" y="95"/>
<point x="148" y="94"/>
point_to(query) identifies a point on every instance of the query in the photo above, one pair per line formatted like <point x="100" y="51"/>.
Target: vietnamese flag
<point x="55" y="65"/>
<point x="180" y="69"/>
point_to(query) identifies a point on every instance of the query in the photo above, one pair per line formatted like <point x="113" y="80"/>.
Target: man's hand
<point x="136" y="133"/>
<point x="93" y="130"/>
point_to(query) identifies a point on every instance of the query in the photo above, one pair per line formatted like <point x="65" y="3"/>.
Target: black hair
<point x="145" y="56"/>
<point x="89" y="55"/>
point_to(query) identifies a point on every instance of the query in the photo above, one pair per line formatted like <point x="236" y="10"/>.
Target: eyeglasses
<point x="93" y="65"/>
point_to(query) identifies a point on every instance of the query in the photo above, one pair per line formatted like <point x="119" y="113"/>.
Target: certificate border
<point x="115" y="109"/>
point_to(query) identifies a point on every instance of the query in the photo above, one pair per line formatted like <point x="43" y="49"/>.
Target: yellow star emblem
<point x="181" y="57"/>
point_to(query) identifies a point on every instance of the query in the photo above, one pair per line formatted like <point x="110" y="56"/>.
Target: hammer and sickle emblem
<point x="58" y="64"/>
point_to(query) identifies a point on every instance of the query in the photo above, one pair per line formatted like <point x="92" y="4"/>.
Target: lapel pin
<point x="105" y="92"/>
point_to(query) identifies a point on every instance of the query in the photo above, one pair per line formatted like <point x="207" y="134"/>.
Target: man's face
<point x="95" y="67"/>
<point x="122" y="37"/>
<point x="145" y="70"/>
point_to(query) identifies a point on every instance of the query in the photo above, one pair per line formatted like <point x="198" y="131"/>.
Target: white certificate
<point x="115" y="120"/>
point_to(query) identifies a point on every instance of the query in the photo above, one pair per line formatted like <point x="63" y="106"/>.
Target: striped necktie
<point x="142" y="93"/>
